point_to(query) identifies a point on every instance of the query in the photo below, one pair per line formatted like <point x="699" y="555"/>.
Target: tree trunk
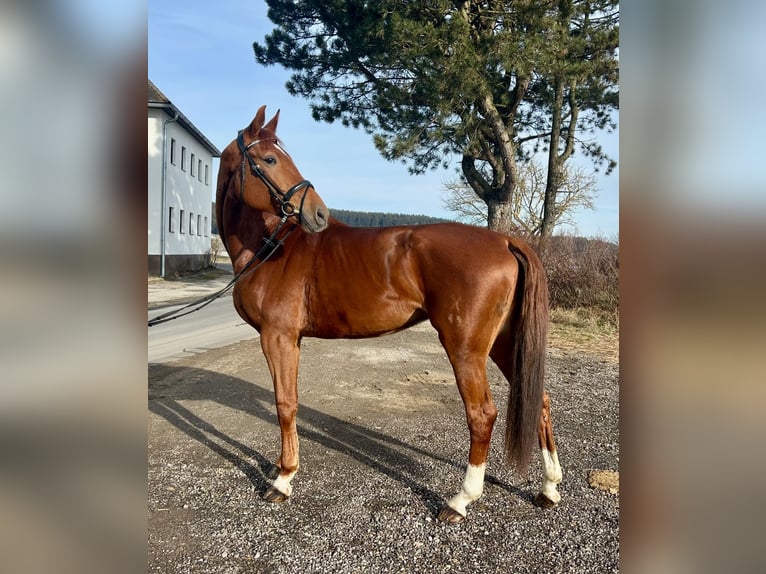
<point x="554" y="161"/>
<point x="500" y="216"/>
<point x="498" y="199"/>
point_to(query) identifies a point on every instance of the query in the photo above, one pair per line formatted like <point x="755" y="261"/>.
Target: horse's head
<point x="262" y="175"/>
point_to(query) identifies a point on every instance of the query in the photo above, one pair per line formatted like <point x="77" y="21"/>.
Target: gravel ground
<point x="383" y="444"/>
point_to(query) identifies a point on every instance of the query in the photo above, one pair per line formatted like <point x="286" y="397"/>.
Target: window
<point x="199" y="225"/>
<point x="170" y="219"/>
<point x="183" y="158"/>
<point x="206" y="228"/>
<point x="207" y="180"/>
<point x="191" y="224"/>
<point x="199" y="169"/>
<point x="181" y="222"/>
<point x="193" y="165"/>
<point x="173" y="151"/>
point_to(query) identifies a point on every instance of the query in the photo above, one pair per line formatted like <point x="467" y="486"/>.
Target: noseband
<point x="281" y="197"/>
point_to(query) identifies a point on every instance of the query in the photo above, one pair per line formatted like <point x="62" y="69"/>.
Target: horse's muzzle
<point x="315" y="218"/>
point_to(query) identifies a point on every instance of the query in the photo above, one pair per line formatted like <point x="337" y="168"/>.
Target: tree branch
<point x="474" y="178"/>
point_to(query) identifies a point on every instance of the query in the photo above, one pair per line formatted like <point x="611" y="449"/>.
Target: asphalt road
<point x="214" y="326"/>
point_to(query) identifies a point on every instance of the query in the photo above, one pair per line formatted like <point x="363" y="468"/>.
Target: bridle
<point x="270" y="244"/>
<point x="281" y="197"/>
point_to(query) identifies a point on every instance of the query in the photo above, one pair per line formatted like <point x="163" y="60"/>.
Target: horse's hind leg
<point x="282" y="354"/>
<point x="548" y="495"/>
<point x="471" y="376"/>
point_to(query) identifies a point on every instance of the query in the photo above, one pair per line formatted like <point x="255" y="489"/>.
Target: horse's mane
<point x="220" y="200"/>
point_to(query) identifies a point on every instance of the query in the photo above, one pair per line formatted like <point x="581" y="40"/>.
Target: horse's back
<point x="457" y="239"/>
<point x="404" y="255"/>
<point x="462" y="242"/>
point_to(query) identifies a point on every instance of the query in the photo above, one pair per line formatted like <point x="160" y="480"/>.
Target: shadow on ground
<point x="379" y="451"/>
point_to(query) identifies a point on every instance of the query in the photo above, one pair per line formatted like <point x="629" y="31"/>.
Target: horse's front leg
<point x="282" y="353"/>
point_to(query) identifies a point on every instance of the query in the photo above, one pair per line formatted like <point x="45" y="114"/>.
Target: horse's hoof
<point x="448" y="514"/>
<point x="543" y="501"/>
<point x="274" y="495"/>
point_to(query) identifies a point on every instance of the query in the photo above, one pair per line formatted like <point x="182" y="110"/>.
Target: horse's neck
<point x="248" y="234"/>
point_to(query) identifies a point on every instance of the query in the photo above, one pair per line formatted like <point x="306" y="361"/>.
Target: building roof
<point x="156" y="99"/>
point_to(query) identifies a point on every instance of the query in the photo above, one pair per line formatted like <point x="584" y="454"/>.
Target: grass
<point x="590" y="331"/>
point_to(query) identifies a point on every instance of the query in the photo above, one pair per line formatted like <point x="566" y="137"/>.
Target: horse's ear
<point x="255" y="126"/>
<point x="272" y="125"/>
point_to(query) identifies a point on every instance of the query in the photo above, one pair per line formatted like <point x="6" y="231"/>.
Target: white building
<point x="180" y="189"/>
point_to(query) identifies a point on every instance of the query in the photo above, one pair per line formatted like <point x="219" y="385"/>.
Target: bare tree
<point x="216" y="246"/>
<point x="578" y="190"/>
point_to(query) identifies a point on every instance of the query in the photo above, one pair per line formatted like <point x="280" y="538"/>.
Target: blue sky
<point x="201" y="58"/>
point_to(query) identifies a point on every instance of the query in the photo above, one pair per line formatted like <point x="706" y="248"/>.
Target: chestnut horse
<point x="484" y="293"/>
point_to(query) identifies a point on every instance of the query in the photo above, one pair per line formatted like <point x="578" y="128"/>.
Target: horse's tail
<point x="526" y="372"/>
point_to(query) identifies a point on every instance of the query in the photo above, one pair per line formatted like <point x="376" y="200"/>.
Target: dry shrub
<point x="582" y="274"/>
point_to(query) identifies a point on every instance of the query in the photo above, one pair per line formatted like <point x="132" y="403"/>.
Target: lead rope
<point x="271" y="243"/>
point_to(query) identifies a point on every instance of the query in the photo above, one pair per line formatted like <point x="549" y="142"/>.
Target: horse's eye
<point x="270" y="160"/>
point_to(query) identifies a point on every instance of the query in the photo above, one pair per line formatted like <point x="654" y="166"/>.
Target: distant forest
<point x="366" y="218"/>
<point x="376" y="219"/>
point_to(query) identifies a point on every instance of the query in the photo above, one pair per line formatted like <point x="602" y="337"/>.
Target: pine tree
<point x="430" y="80"/>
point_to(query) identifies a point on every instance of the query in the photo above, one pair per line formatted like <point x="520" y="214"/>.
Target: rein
<point x="270" y="244"/>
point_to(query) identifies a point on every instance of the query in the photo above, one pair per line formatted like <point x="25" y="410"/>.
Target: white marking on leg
<point x="282" y="483"/>
<point x="473" y="486"/>
<point x="551" y="475"/>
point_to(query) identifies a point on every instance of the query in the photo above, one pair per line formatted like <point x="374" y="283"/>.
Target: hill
<point x="365" y="218"/>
